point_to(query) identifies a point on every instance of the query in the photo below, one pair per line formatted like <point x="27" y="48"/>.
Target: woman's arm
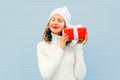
<point x="79" y="67"/>
<point x="48" y="64"/>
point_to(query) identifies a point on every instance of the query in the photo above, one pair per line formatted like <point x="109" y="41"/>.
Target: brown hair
<point x="48" y="37"/>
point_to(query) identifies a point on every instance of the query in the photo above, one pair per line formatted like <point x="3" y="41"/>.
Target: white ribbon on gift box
<point x="76" y="31"/>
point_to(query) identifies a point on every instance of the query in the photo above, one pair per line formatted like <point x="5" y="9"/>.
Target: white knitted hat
<point x="63" y="12"/>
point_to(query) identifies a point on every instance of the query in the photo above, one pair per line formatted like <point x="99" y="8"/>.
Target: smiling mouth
<point x="55" y="27"/>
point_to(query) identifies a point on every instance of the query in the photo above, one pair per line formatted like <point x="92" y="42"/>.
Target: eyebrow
<point x="53" y="18"/>
<point x="58" y="18"/>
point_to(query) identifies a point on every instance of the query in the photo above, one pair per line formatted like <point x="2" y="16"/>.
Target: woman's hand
<point x="63" y="41"/>
<point x="83" y="41"/>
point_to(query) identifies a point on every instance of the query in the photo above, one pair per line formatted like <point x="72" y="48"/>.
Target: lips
<point x="55" y="27"/>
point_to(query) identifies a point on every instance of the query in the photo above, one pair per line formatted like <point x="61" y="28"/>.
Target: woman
<point x="58" y="58"/>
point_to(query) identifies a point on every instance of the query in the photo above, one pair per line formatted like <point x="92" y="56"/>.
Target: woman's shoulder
<point x="42" y="43"/>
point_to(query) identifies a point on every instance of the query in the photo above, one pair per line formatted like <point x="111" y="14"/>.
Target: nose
<point x="55" y="22"/>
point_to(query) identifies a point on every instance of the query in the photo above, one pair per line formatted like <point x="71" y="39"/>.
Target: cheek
<point x="50" y="24"/>
<point x="61" y="28"/>
<point x="62" y="25"/>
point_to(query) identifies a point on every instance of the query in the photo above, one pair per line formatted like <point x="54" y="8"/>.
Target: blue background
<point x="22" y="24"/>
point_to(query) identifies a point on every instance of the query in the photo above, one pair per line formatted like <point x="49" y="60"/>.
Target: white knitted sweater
<point x="57" y="64"/>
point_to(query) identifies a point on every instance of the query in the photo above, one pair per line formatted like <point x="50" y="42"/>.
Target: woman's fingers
<point x="86" y="39"/>
<point x="83" y="41"/>
<point x="63" y="41"/>
<point x="86" y="36"/>
<point x="65" y="37"/>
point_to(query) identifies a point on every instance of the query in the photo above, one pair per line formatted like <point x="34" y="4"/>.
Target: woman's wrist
<point x="62" y="47"/>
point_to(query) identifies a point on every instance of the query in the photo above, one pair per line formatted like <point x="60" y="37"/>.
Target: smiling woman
<point x="57" y="24"/>
<point x="57" y="59"/>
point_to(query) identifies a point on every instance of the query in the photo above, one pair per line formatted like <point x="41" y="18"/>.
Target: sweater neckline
<point x="56" y="39"/>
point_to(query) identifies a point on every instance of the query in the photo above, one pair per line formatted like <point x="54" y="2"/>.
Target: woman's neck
<point x="56" y="39"/>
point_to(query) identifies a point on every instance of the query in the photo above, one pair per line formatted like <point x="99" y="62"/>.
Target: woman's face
<point x="57" y="24"/>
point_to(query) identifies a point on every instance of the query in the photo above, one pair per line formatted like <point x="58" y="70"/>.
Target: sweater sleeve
<point x="48" y="64"/>
<point x="79" y="67"/>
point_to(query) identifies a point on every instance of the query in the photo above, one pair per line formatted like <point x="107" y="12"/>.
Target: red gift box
<point x="75" y="33"/>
